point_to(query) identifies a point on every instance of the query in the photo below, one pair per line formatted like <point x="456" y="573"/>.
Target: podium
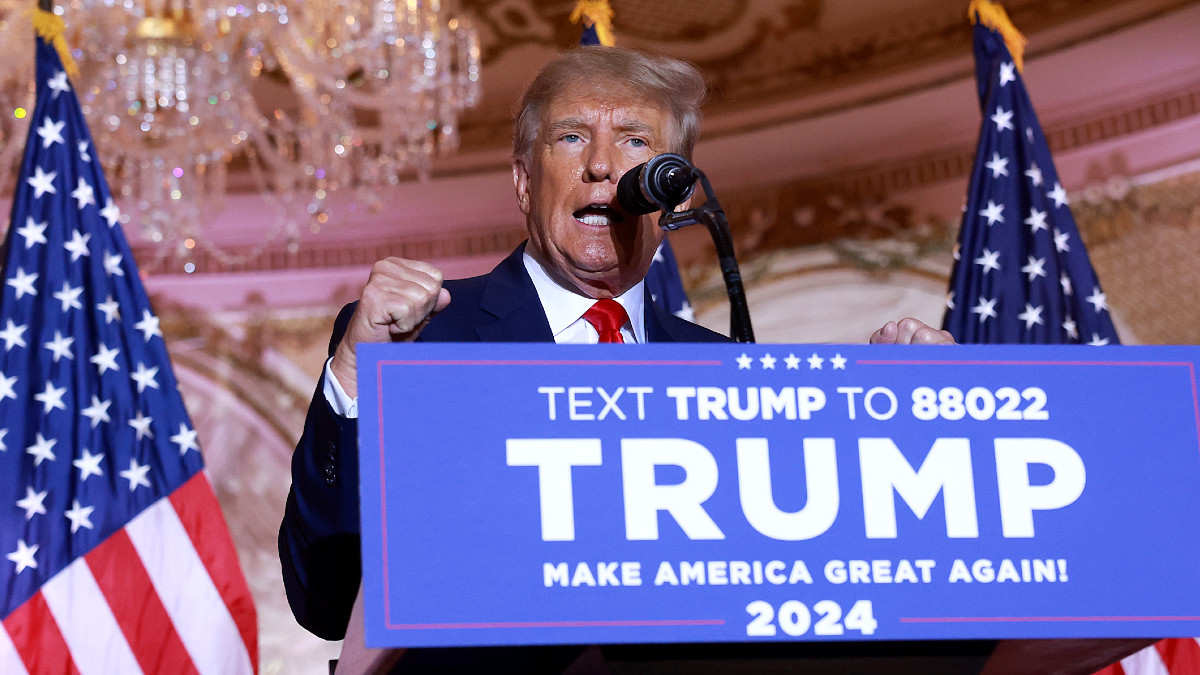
<point x="751" y="509"/>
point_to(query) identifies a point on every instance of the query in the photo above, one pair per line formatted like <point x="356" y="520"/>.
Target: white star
<point x="744" y="362"/>
<point x="1098" y="300"/>
<point x="110" y="212"/>
<point x="1098" y="341"/>
<point x="51" y="132"/>
<point x="51" y="398"/>
<point x="658" y="256"/>
<point x="136" y="475"/>
<point x="998" y="165"/>
<point x="77" y="247"/>
<point x="792" y="361"/>
<point x="23" y="556"/>
<point x="985" y="308"/>
<point x="42" y="182"/>
<point x="34" y="233"/>
<point x="1060" y="241"/>
<point x="1003" y="119"/>
<point x="1034" y="268"/>
<point x="814" y="362"/>
<point x="148" y="325"/>
<point x="3" y="445"/>
<point x="1008" y="73"/>
<point x="69" y="297"/>
<point x="23" y="283"/>
<point x="110" y="308"/>
<point x="1065" y="282"/>
<point x="97" y="412"/>
<point x="838" y="361"/>
<point x="60" y="346"/>
<point x="106" y="359"/>
<point x="1032" y="315"/>
<point x="80" y="516"/>
<point x="42" y="449"/>
<point x="32" y="503"/>
<point x="686" y="312"/>
<point x="1035" y="174"/>
<point x="1036" y="220"/>
<point x="768" y="362"/>
<point x="6" y="387"/>
<point x="1069" y="325"/>
<point x="994" y="213"/>
<point x="145" y="377"/>
<point x="141" y="424"/>
<point x="1059" y="195"/>
<point x="950" y="300"/>
<point x="990" y="260"/>
<point x="88" y="465"/>
<point x="83" y="151"/>
<point x="185" y="439"/>
<point x="84" y="194"/>
<point x="13" y="335"/>
<point x="112" y="265"/>
<point x="59" y="83"/>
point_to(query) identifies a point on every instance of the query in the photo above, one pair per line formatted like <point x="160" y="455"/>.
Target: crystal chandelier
<point x="400" y="69"/>
<point x="307" y="99"/>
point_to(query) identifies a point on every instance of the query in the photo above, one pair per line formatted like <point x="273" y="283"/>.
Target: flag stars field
<point x="69" y="274"/>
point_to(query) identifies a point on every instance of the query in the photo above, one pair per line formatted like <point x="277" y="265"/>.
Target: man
<point x="590" y="115"/>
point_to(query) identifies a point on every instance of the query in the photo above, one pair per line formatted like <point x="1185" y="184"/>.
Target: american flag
<point x="117" y="558"/>
<point x="1021" y="273"/>
<point x="663" y="280"/>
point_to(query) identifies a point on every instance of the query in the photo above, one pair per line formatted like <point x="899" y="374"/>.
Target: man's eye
<point x="637" y="142"/>
<point x="571" y="138"/>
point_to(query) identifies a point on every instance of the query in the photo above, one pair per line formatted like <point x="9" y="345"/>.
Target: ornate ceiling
<point x="770" y="61"/>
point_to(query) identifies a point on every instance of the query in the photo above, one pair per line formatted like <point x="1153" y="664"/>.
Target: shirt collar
<point x="564" y="307"/>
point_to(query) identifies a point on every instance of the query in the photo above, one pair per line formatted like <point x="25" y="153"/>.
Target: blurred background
<point x="266" y="154"/>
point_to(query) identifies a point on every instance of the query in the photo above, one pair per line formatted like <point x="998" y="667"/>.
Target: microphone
<point x="663" y="183"/>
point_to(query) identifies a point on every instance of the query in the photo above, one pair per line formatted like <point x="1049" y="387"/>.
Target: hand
<point x="398" y="300"/>
<point x="910" y="331"/>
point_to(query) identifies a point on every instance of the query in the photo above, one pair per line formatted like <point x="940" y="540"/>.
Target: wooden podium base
<point x="944" y="657"/>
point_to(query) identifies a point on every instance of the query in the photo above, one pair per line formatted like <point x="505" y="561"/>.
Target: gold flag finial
<point x="992" y="15"/>
<point x="596" y="14"/>
<point x="50" y="27"/>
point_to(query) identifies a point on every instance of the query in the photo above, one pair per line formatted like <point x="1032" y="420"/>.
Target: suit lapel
<point x="511" y="298"/>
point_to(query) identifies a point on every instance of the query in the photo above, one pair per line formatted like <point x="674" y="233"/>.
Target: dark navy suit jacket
<point x="319" y="536"/>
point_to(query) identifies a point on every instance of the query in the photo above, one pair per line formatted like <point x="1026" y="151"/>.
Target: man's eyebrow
<point x="567" y="123"/>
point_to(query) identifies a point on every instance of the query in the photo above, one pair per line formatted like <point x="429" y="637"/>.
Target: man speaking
<point x="588" y="117"/>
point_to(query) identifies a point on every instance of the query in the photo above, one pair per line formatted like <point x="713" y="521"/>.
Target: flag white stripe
<point x="201" y="618"/>
<point x="1146" y="662"/>
<point x="87" y="624"/>
<point x="10" y="660"/>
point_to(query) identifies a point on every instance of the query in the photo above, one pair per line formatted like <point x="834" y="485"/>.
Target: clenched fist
<point x="395" y="305"/>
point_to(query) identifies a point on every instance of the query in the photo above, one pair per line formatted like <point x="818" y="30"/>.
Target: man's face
<point x="588" y="138"/>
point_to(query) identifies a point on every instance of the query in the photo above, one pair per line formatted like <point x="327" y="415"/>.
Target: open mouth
<point x="599" y="215"/>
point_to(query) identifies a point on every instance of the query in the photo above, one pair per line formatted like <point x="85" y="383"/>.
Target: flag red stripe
<point x="200" y="513"/>
<point x="122" y="578"/>
<point x="37" y="639"/>
<point x="1114" y="669"/>
<point x="1182" y="655"/>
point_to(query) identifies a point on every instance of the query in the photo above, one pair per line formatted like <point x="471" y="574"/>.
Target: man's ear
<point x="521" y="183"/>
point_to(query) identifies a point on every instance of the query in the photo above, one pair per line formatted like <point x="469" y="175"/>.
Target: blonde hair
<point x="676" y="85"/>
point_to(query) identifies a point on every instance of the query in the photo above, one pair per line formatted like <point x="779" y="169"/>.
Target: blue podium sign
<point x="517" y="494"/>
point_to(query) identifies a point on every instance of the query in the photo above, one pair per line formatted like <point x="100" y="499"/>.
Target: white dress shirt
<point x="564" y="311"/>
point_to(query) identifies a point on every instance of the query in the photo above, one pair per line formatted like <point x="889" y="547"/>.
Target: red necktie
<point x="607" y="316"/>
